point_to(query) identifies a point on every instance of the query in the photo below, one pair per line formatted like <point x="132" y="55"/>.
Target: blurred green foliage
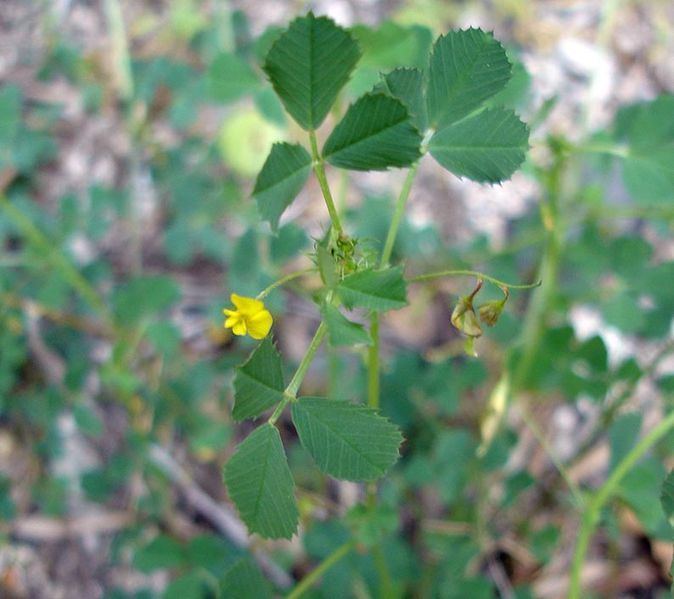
<point x="448" y="507"/>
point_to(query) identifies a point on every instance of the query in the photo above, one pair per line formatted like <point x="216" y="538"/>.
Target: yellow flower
<point x="250" y="317"/>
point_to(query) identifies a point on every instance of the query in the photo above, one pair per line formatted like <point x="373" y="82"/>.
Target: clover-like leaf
<point x="261" y="486"/>
<point x="346" y="440"/>
<point x="378" y="290"/>
<point x="308" y="65"/>
<point x="648" y="159"/>
<point x="244" y="580"/>
<point x="282" y="177"/>
<point x="408" y="86"/>
<point x="466" y="68"/>
<point x="376" y="133"/>
<point x="258" y="383"/>
<point x="341" y="331"/>
<point x="667" y="497"/>
<point x="487" y="147"/>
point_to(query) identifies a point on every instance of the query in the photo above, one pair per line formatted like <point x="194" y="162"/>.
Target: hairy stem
<point x="319" y="169"/>
<point x="398" y="215"/>
<point x="283" y="280"/>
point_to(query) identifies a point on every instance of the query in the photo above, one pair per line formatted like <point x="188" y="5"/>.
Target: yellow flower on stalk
<point x="249" y="318"/>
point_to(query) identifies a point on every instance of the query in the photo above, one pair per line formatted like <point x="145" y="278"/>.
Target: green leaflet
<point x="244" y="580"/>
<point x="258" y="383"/>
<point x="667" y="497"/>
<point x="308" y="65"/>
<point x="376" y="133"/>
<point x="487" y="147"/>
<point x="466" y="67"/>
<point x="261" y="486"/>
<point x="408" y="86"/>
<point x="282" y="177"/>
<point x="378" y="290"/>
<point x="648" y="163"/>
<point x="341" y="331"/>
<point x="348" y="441"/>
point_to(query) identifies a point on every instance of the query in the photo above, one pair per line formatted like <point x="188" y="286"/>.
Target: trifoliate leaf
<point x="378" y="290"/>
<point x="487" y="147"/>
<point x="341" y="331"/>
<point x="348" y="441"/>
<point x="282" y="177"/>
<point x="258" y="383"/>
<point x="466" y="68"/>
<point x="376" y="133"/>
<point x="261" y="486"/>
<point x="308" y="65"/>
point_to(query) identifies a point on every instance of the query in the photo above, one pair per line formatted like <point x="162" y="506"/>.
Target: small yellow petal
<point x="246" y="305"/>
<point x="259" y="325"/>
<point x="231" y="322"/>
<point x="239" y="328"/>
<point x="227" y="312"/>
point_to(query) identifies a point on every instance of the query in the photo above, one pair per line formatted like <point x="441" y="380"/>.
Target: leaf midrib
<point x="281" y="181"/>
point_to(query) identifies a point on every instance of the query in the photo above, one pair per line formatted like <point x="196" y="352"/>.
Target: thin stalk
<point x="471" y="273"/>
<point x="386" y="590"/>
<point x="373" y="352"/>
<point x="283" y="280"/>
<point x="290" y="392"/>
<point x="319" y="169"/>
<point x="308" y="581"/>
<point x="373" y="363"/>
<point x="534" y="320"/>
<point x="398" y="215"/>
<point x="70" y="274"/>
<point x="593" y="509"/>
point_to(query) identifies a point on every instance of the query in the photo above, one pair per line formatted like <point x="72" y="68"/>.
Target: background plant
<point x="116" y="373"/>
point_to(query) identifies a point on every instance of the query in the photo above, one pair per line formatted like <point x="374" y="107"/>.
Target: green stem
<point x="471" y="273"/>
<point x="70" y="274"/>
<point x="283" y="280"/>
<point x="373" y="363"/>
<point x="308" y="581"/>
<point x="386" y="590"/>
<point x="290" y="392"/>
<point x="319" y="169"/>
<point x="592" y="512"/>
<point x="398" y="215"/>
<point x="612" y="150"/>
<point x="537" y="311"/>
